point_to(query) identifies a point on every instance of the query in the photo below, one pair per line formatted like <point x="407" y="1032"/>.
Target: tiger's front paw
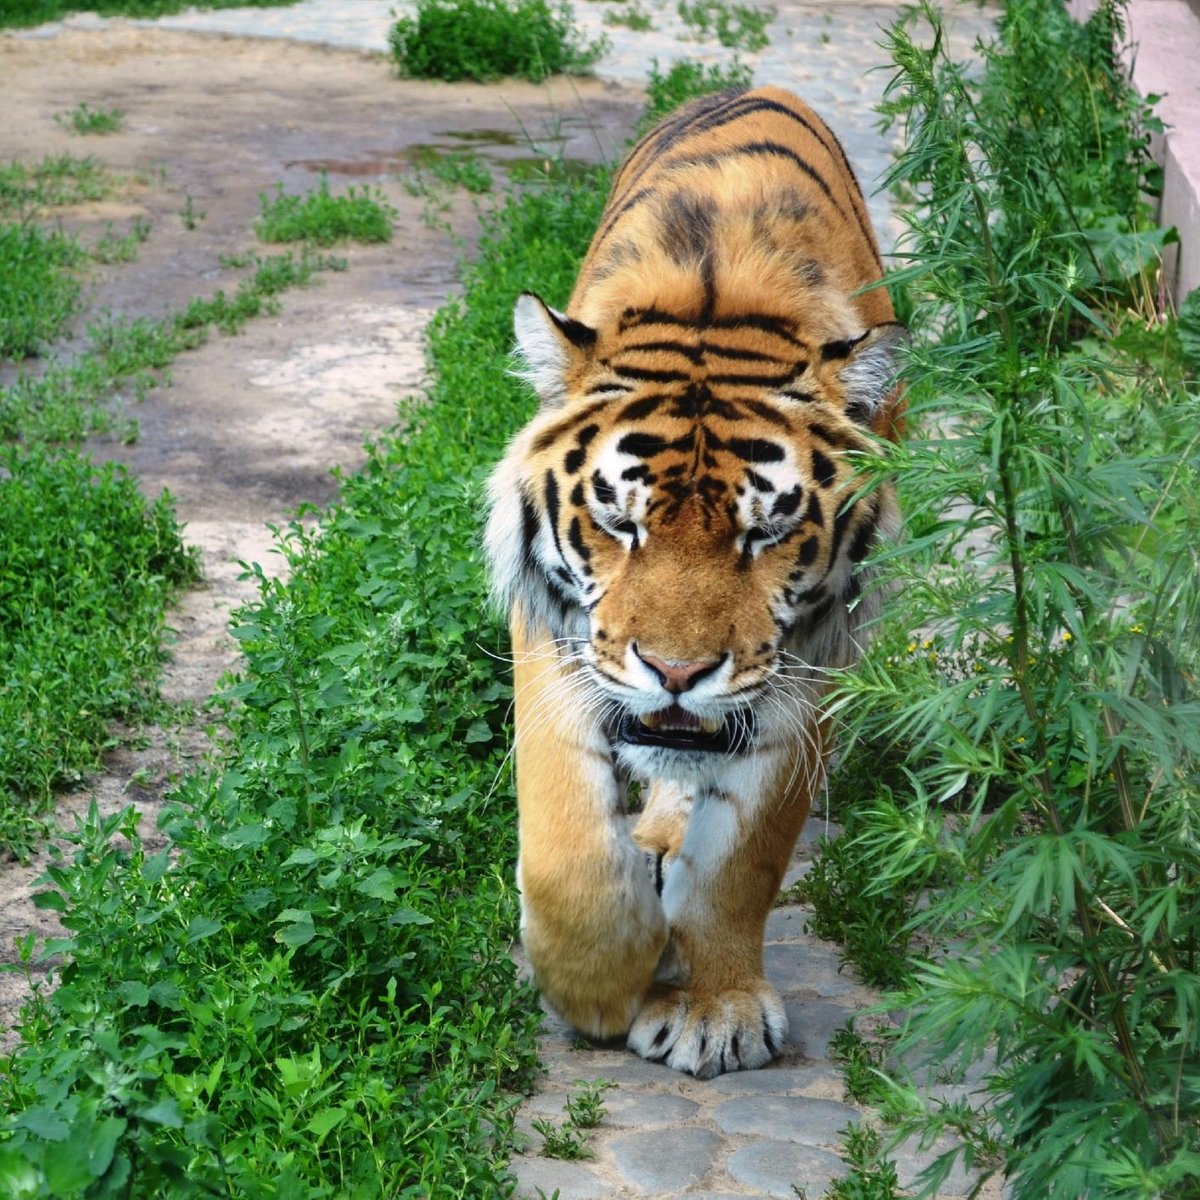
<point x="709" y="1033"/>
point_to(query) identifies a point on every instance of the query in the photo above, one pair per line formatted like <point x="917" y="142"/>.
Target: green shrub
<point x="56" y="180"/>
<point x="1049" y="740"/>
<point x="322" y="219"/>
<point x="37" y="12"/>
<point x="736" y="26"/>
<point x="86" y="568"/>
<point x="489" y="39"/>
<point x="37" y="295"/>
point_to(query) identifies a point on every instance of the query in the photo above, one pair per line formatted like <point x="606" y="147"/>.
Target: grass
<point x="490" y="39"/>
<point x="84" y="119"/>
<point x="57" y="180"/>
<point x="37" y="12"/>
<point x="736" y="26"/>
<point x="322" y="219"/>
<point x="38" y="297"/>
<point x="86" y="568"/>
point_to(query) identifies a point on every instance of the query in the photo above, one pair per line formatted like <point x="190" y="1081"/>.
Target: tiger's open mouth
<point x="677" y="729"/>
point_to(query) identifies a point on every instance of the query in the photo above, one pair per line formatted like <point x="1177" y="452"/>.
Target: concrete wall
<point x="1164" y="58"/>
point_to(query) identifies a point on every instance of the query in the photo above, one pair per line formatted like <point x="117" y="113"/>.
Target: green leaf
<point x="479" y="731"/>
<point x="164" y="1112"/>
<point x="201" y="927"/>
<point x="325" y="1120"/>
<point x="1189" y="329"/>
<point x="408" y="916"/>
<point x="135" y="993"/>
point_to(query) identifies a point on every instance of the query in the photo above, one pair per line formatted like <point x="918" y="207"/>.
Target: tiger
<point x="678" y="540"/>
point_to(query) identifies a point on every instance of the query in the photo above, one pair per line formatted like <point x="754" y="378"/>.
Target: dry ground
<point x="250" y="426"/>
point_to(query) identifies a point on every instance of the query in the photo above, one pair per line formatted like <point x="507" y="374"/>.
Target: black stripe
<point x="758" y="149"/>
<point x="734" y="352"/>
<point x="767" y="413"/>
<point x="755" y="450"/>
<point x="605" y="492"/>
<point x="823" y="469"/>
<point x="653" y="376"/>
<point x="552" y="509"/>
<point x="770" y="381"/>
<point x="638" y="410"/>
<point x="691" y="353"/>
<point x="551" y="435"/>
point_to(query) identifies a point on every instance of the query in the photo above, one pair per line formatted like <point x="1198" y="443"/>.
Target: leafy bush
<point x="37" y="296"/>
<point x="488" y="39"/>
<point x="84" y="119"/>
<point x="37" y="12"/>
<point x="86" y="567"/>
<point x="323" y="219"/>
<point x="1049" y="741"/>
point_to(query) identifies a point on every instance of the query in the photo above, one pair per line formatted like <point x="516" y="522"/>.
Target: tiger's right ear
<point x="550" y="348"/>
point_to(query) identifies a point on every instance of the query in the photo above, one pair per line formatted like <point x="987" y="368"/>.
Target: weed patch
<point x="685" y="80"/>
<point x="322" y="219"/>
<point x="84" y="119"/>
<point x="1046" y="729"/>
<point x="86" y="568"/>
<point x="489" y="39"/>
<point x="56" y="181"/>
<point x="37" y="295"/>
<point x="737" y="26"/>
<point x="38" y="12"/>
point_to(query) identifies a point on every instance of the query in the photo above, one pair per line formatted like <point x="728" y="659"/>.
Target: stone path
<point x="774" y="1132"/>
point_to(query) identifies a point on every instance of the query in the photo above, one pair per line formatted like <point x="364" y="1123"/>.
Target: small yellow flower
<point x="1020" y="741"/>
<point x="1068" y="636"/>
<point x="911" y="647"/>
<point x="926" y="643"/>
<point x="1138" y="628"/>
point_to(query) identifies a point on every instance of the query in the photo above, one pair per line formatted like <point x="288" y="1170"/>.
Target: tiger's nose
<point x="678" y="677"/>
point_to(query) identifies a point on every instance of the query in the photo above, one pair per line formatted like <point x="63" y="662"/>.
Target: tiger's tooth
<point x="710" y="724"/>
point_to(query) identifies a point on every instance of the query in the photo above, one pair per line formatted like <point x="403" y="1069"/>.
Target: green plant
<point x="454" y="170"/>
<point x="190" y="215"/>
<point x="862" y="1063"/>
<point x="37" y="12"/>
<point x="37" y="295"/>
<point x="110" y="248"/>
<point x="323" y="219"/>
<point x="872" y="1176"/>
<point x="1048" y="750"/>
<point x="488" y="39"/>
<point x="584" y="1110"/>
<point x="56" y="180"/>
<point x="86" y="568"/>
<point x="632" y="16"/>
<point x="737" y="26"/>
<point x="83" y="119"/>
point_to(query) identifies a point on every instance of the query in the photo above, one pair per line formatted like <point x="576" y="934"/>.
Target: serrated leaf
<point x="379" y="885"/>
<point x="50" y="901"/>
<point x="479" y="731"/>
<point x="165" y="1112"/>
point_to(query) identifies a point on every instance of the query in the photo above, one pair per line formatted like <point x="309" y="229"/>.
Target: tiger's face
<point x="688" y="530"/>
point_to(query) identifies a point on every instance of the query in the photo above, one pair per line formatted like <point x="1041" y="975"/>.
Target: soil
<point x="249" y="427"/>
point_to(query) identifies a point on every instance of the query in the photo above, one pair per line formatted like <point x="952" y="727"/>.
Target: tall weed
<point x="1049" y="739"/>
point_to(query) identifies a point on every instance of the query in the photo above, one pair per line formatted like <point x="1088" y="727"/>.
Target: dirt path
<point x="251" y="425"/>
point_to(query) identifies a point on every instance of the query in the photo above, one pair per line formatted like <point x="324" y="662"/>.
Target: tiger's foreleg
<point x="591" y="922"/>
<point x="713" y="1010"/>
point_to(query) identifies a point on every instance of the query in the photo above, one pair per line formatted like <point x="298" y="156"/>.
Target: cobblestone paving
<point x="774" y="1132"/>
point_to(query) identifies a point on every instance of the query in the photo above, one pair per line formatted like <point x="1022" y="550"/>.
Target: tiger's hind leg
<point x="591" y="922"/>
<point x="712" y="1009"/>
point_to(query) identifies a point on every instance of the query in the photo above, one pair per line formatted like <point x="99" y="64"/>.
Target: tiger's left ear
<point x="550" y="347"/>
<point x="869" y="373"/>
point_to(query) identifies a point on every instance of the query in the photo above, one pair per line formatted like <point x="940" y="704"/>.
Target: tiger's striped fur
<point x="677" y="537"/>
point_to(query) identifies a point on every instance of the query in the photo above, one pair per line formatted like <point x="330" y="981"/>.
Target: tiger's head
<point x="683" y="520"/>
